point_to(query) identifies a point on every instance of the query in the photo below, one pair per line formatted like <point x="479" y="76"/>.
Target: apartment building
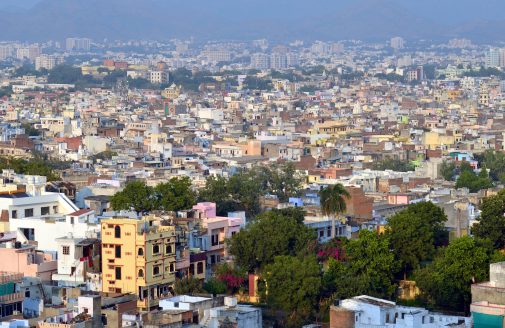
<point x="138" y="256"/>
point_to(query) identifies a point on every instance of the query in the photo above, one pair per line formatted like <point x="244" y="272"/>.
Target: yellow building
<point x="138" y="257"/>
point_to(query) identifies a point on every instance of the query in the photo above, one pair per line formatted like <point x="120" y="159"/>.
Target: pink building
<point x="26" y="260"/>
<point x="219" y="229"/>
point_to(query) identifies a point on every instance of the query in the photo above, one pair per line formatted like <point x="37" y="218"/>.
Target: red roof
<point x="81" y="212"/>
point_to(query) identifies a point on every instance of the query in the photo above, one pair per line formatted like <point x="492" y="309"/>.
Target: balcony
<point x="12" y="298"/>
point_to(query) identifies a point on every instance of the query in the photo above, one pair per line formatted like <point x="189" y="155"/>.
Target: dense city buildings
<point x="270" y="182"/>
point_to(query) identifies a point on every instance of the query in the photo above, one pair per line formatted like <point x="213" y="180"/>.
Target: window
<point x="156" y="249"/>
<point x="118" y="251"/>
<point x="55" y="209"/>
<point x="169" y="249"/>
<point x="117" y="232"/>
<point x="141" y="273"/>
<point x="172" y="267"/>
<point x="118" y="273"/>
<point x="27" y="293"/>
<point x="140" y="252"/>
<point x="199" y="268"/>
<point x="156" y="270"/>
<point x="66" y="250"/>
<point x="28" y="212"/>
<point x="192" y="269"/>
<point x="44" y="210"/>
<point x="14" y="214"/>
<point x="321" y="233"/>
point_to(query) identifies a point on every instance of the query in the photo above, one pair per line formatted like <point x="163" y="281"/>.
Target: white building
<point x="241" y="316"/>
<point x="48" y="62"/>
<point x="397" y="43"/>
<point x="158" y="77"/>
<point x="73" y="44"/>
<point x="366" y="311"/>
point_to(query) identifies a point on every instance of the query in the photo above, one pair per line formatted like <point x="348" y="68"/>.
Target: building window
<point x="66" y="250"/>
<point x="28" y="212"/>
<point x="118" y="251"/>
<point x="156" y="270"/>
<point x="118" y="273"/>
<point x="141" y="273"/>
<point x="192" y="269"/>
<point x="14" y="214"/>
<point x="199" y="268"/>
<point x="55" y="209"/>
<point x="169" y="249"/>
<point x="140" y="252"/>
<point x="44" y="210"/>
<point x="321" y="233"/>
<point x="156" y="249"/>
<point x="117" y="232"/>
<point x="172" y="269"/>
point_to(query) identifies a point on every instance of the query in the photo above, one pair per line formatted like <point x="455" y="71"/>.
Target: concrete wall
<point x="341" y="318"/>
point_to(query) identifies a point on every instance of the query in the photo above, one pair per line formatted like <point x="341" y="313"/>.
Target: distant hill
<point x="249" y="19"/>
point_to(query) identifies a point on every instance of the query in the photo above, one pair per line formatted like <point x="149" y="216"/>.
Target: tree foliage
<point x="445" y="283"/>
<point x="274" y="233"/>
<point x="468" y="179"/>
<point x="188" y="286"/>
<point x="368" y="268"/>
<point x="293" y="286"/>
<point x="447" y="170"/>
<point x="495" y="162"/>
<point x="38" y="165"/>
<point x="491" y="223"/>
<point x="174" y="195"/>
<point x="393" y="165"/>
<point x="413" y="234"/>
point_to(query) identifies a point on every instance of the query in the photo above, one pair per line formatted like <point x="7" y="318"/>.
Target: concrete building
<point x="239" y="316"/>
<point x="76" y="44"/>
<point x="48" y="62"/>
<point x="138" y="257"/>
<point x="488" y="299"/>
<point x="397" y="43"/>
<point x="11" y="299"/>
<point x="26" y="260"/>
<point x="158" y="77"/>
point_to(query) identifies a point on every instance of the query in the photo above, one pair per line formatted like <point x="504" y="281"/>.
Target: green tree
<point x="136" y="195"/>
<point x="333" y="202"/>
<point x="284" y="181"/>
<point x="215" y="286"/>
<point x="293" y="286"/>
<point x="393" y="165"/>
<point x="445" y="283"/>
<point x="468" y="179"/>
<point x="447" y="170"/>
<point x="413" y="234"/>
<point x="368" y="268"/>
<point x="491" y="223"/>
<point x="175" y="195"/>
<point x="495" y="162"/>
<point x="188" y="286"/>
<point x="274" y="233"/>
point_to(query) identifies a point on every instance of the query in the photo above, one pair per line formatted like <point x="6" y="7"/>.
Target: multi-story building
<point x="138" y="256"/>
<point x="260" y="61"/>
<point x="278" y="61"/>
<point x="397" y="43"/>
<point x="47" y="62"/>
<point x="73" y="44"/>
<point x="493" y="57"/>
<point x="11" y="300"/>
<point x="6" y="51"/>
<point x="158" y="77"/>
<point x="30" y="52"/>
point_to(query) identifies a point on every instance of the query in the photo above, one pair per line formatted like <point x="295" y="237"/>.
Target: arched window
<point x="117" y="232"/>
<point x="141" y="273"/>
<point x="156" y="249"/>
<point x="169" y="249"/>
<point x="140" y="252"/>
<point x="156" y="270"/>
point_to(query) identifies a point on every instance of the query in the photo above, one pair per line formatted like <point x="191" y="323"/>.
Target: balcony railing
<point x="11" y="298"/>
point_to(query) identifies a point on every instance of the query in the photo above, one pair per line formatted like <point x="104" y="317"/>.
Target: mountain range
<point x="39" y="20"/>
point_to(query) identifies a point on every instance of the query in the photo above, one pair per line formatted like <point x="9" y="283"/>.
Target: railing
<point x="10" y="277"/>
<point x="10" y="298"/>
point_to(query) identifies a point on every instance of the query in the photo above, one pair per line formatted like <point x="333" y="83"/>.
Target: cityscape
<point x="221" y="175"/>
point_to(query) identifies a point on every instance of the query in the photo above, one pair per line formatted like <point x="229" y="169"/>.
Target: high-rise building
<point x="278" y="61"/>
<point x="260" y="61"/>
<point x="292" y="59"/>
<point x="217" y="55"/>
<point x="158" y="77"/>
<point x="138" y="257"/>
<point x="6" y="51"/>
<point x="397" y="43"/>
<point x="30" y="52"/>
<point x="493" y="58"/>
<point x="76" y="44"/>
<point x="48" y="62"/>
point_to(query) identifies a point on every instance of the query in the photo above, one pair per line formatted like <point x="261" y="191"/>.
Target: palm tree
<point x="333" y="202"/>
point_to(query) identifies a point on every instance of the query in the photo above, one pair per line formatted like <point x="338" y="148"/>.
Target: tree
<point x="368" y="268"/>
<point x="215" y="286"/>
<point x="293" y="286"/>
<point x="495" y="162"/>
<point x="393" y="164"/>
<point x="333" y="202"/>
<point x="413" y="234"/>
<point x="175" y="195"/>
<point x="187" y="286"/>
<point x="136" y="195"/>
<point x="274" y="233"/>
<point x="491" y="223"/>
<point x="284" y="181"/>
<point x="446" y="282"/>
<point x="468" y="179"/>
<point x="447" y="170"/>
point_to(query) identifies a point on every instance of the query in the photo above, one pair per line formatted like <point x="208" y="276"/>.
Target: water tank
<point x="17" y="245"/>
<point x="230" y="301"/>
